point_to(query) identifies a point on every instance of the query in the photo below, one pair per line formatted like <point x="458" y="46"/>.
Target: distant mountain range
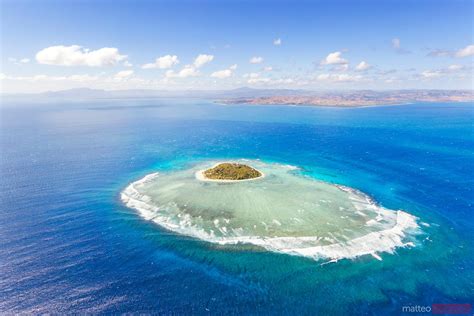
<point x="86" y="93"/>
<point x="247" y="95"/>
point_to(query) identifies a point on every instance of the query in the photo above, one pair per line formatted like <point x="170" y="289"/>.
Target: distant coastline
<point x="357" y="98"/>
<point x="251" y="96"/>
<point x="338" y="105"/>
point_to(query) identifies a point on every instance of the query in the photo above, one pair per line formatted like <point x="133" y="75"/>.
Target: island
<point x="271" y="206"/>
<point x="229" y="171"/>
<point x="352" y="98"/>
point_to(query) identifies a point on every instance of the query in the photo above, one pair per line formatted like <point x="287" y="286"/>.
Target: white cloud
<point x="123" y="74"/>
<point x="251" y="75"/>
<point x="268" y="68"/>
<point x="256" y="60"/>
<point x="363" y="65"/>
<point x="334" y="59"/>
<point x="396" y="43"/>
<point x="75" y="55"/>
<point x="258" y="80"/>
<point x="82" y="78"/>
<point x="343" y="67"/>
<point x="72" y="78"/>
<point x="338" y="77"/>
<point x="163" y="62"/>
<point x="221" y="74"/>
<point x="429" y="74"/>
<point x="191" y="70"/>
<point x="465" y="52"/>
<point x="127" y="64"/>
<point x="19" y="61"/>
<point x="202" y="59"/>
<point x="440" y="53"/>
<point x="269" y="81"/>
<point x="285" y="81"/>
<point x="42" y="82"/>
<point x="452" y="71"/>
<point x="277" y="42"/>
<point x="455" y="67"/>
<point x="187" y="71"/>
<point x="226" y="73"/>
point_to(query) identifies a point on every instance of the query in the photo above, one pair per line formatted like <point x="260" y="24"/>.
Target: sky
<point x="51" y="45"/>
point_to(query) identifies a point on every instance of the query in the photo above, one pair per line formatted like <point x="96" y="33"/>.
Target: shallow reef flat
<point x="284" y="211"/>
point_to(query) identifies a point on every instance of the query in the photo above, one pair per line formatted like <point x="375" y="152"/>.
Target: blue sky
<point x="53" y="45"/>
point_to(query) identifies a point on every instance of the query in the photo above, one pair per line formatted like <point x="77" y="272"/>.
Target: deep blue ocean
<point x="68" y="244"/>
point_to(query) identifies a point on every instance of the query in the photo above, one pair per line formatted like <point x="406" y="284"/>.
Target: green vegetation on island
<point x="231" y="171"/>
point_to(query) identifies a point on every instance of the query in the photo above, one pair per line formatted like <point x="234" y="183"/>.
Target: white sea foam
<point x="377" y="231"/>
